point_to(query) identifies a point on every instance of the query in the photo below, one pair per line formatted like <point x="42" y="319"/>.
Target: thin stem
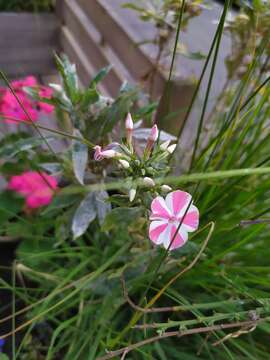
<point x="196" y="91"/>
<point x="220" y="32"/>
<point x="54" y="131"/>
<point x="13" y="310"/>
<point x="167" y="88"/>
<point x="138" y="314"/>
<point x="179" y="334"/>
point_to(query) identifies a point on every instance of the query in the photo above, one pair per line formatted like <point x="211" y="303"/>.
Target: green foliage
<point x="81" y="257"/>
<point x="29" y="5"/>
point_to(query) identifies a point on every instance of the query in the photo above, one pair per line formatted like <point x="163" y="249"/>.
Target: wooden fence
<point x="27" y="43"/>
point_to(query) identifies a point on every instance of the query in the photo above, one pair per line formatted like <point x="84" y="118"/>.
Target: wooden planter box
<point x="27" y="43"/>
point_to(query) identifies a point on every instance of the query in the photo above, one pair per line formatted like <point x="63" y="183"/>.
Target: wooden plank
<point x="27" y="54"/>
<point x="27" y="22"/>
<point x="119" y="39"/>
<point x="76" y="55"/>
<point x="89" y="42"/>
<point x="24" y="39"/>
<point x="27" y="42"/>
<point x="29" y="67"/>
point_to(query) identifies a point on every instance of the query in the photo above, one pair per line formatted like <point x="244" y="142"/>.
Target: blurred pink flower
<point x="45" y="93"/>
<point x="10" y="108"/>
<point x="30" y="81"/>
<point x="166" y="217"/>
<point x="37" y="188"/>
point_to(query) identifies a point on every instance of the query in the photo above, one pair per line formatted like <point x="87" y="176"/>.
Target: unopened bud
<point x="129" y="122"/>
<point x="171" y="148"/>
<point x="166" y="188"/>
<point x="243" y="17"/>
<point x="129" y="129"/>
<point x="153" y="134"/>
<point x="132" y="194"/>
<point x="165" y="145"/>
<point x="151" y="140"/>
<point x="124" y="163"/>
<point x="148" y="182"/>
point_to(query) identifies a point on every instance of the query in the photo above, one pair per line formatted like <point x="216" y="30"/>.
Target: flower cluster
<point x="171" y="218"/>
<point x="37" y="188"/>
<point x="10" y="107"/>
<point x="139" y="164"/>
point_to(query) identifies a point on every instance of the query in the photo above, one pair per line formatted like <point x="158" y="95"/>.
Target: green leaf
<point x="10" y="205"/>
<point x="121" y="217"/>
<point x="69" y="76"/>
<point x="60" y="201"/>
<point x="3" y="357"/>
<point x="103" y="207"/>
<point x="79" y="157"/>
<point x="100" y="75"/>
<point x="12" y="149"/>
<point x="89" y="97"/>
<point x="134" y="7"/>
<point x="84" y="215"/>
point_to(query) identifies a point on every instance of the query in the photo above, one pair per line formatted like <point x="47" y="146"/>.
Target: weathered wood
<point x="17" y="22"/>
<point x="119" y="38"/>
<point x="27" y="43"/>
<point x="89" y="41"/>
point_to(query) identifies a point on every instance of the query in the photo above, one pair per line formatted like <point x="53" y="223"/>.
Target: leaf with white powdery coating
<point x="79" y="157"/>
<point x="84" y="215"/>
<point x="103" y="207"/>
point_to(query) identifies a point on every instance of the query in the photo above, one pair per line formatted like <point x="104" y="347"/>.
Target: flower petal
<point x="177" y="202"/>
<point x="160" y="209"/>
<point x="165" y="236"/>
<point x="179" y="239"/>
<point x="155" y="230"/>
<point x="191" y="220"/>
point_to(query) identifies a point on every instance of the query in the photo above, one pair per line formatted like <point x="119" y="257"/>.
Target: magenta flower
<point x="10" y="108"/>
<point x="166" y="217"/>
<point x="37" y="188"/>
<point x="45" y="93"/>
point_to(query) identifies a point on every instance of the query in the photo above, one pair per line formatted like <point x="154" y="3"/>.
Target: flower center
<point x="172" y="219"/>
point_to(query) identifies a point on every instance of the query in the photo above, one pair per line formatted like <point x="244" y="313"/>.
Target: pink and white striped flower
<point x="167" y="214"/>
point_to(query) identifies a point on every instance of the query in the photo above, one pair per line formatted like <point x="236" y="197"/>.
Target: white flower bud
<point x="165" y="145"/>
<point x="132" y="194"/>
<point x="171" y="148"/>
<point x="166" y="188"/>
<point x="148" y="182"/>
<point x="124" y="163"/>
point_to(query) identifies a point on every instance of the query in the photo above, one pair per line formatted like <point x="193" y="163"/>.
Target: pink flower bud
<point x="129" y="122"/>
<point x="104" y="154"/>
<point x="129" y="129"/>
<point x="151" y="140"/>
<point x="154" y="134"/>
